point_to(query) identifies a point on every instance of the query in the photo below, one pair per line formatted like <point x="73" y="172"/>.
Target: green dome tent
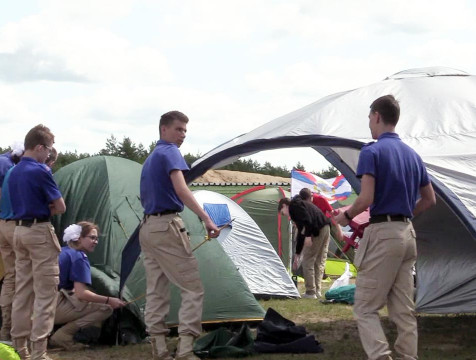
<point x="261" y="203"/>
<point x="105" y="190"/>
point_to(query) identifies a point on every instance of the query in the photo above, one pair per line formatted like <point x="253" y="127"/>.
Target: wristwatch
<point x="347" y="216"/>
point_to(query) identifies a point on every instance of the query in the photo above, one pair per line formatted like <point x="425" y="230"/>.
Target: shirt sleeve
<point x="299" y="242"/>
<point x="175" y="161"/>
<point x="366" y="164"/>
<point x="322" y="203"/>
<point x="80" y="271"/>
<point x="303" y="221"/>
<point x="425" y="179"/>
<point x="50" y="187"/>
<point x="4" y="167"/>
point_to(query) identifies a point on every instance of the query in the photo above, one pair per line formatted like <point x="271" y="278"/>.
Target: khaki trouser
<point x="70" y="309"/>
<point x="8" y="256"/>
<point x="34" y="304"/>
<point x="168" y="258"/>
<point x="385" y="257"/>
<point x="314" y="261"/>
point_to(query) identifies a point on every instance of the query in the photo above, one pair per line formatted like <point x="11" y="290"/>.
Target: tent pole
<point x="290" y="244"/>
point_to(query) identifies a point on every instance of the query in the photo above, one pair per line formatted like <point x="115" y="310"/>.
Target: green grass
<point x="440" y="337"/>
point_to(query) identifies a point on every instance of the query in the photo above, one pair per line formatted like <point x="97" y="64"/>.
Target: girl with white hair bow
<point x="79" y="307"/>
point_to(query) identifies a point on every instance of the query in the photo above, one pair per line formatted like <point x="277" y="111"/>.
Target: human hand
<point x="212" y="230"/>
<point x="296" y="262"/>
<point x="115" y="303"/>
<point x="340" y="218"/>
<point x="307" y="241"/>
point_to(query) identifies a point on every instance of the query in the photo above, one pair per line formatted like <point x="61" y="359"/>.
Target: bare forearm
<point x="189" y="200"/>
<point x="186" y="196"/>
<point x="427" y="200"/>
<point x="89" y="296"/>
<point x="360" y="205"/>
<point x="57" y="206"/>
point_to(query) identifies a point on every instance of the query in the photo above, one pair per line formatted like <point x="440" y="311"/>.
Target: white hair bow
<point x="18" y="148"/>
<point x="72" y="233"/>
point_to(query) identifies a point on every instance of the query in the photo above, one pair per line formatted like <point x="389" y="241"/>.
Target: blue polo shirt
<point x="74" y="267"/>
<point x="32" y="189"/>
<point x="6" y="163"/>
<point x="399" y="174"/>
<point x="156" y="190"/>
<point x="6" y="211"/>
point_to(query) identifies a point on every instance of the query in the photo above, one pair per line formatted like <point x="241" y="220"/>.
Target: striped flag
<point x="332" y="189"/>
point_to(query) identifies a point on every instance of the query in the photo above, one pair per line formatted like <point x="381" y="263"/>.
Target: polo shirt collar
<point x="388" y="135"/>
<point x="163" y="142"/>
<point x="29" y="159"/>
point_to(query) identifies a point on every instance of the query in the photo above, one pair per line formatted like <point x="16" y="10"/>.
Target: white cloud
<point x="15" y="110"/>
<point x="90" y="69"/>
<point x="90" y="11"/>
<point x="25" y="65"/>
<point x="82" y="49"/>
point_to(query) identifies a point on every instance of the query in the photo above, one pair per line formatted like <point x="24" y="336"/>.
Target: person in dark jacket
<point x="313" y="230"/>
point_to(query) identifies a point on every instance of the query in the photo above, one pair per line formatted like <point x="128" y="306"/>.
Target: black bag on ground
<point x="277" y="334"/>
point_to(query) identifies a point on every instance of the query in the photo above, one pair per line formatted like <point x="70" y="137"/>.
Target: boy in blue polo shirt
<point x="165" y="243"/>
<point x="35" y="198"/>
<point x="7" y="227"/>
<point x="393" y="175"/>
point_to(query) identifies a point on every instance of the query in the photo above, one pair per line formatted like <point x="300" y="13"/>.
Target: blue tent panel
<point x="219" y="213"/>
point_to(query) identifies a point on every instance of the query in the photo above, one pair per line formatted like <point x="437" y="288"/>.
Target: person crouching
<point x="78" y="307"/>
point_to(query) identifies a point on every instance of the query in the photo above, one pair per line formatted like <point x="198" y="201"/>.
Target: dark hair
<point x="305" y="194"/>
<point x="16" y="158"/>
<point x="86" y="228"/>
<point x="39" y="135"/>
<point x="388" y="108"/>
<point x="282" y="202"/>
<point x="52" y="157"/>
<point x="169" y="117"/>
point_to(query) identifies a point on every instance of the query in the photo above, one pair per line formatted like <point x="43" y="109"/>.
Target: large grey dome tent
<point x="438" y="119"/>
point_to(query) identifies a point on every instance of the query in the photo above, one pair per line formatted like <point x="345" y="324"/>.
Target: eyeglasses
<point x="93" y="237"/>
<point x="50" y="149"/>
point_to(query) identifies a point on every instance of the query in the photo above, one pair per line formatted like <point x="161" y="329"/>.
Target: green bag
<point x="8" y="353"/>
<point x="342" y="294"/>
<point x="223" y="343"/>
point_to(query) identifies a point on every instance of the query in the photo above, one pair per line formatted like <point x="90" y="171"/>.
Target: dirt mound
<point x="228" y="176"/>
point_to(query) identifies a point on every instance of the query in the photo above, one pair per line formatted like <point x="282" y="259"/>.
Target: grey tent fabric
<point x="250" y="250"/>
<point x="438" y="119"/>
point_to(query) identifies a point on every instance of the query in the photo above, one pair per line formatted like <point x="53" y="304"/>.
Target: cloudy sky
<point x="89" y="69"/>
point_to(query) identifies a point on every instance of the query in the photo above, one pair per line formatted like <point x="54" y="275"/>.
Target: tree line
<point x="128" y="149"/>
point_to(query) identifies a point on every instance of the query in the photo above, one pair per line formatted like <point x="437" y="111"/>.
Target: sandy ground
<point x="224" y="176"/>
